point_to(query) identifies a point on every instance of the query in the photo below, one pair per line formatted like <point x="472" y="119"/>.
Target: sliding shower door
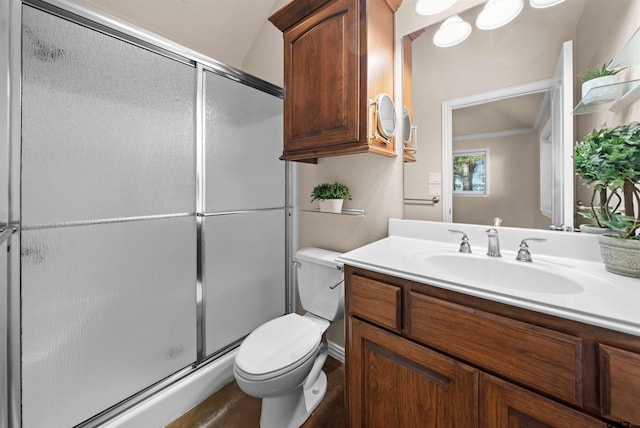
<point x="244" y="214"/>
<point x="108" y="220"/>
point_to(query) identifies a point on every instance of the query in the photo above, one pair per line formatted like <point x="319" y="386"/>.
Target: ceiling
<point x="221" y="29"/>
<point x="511" y="114"/>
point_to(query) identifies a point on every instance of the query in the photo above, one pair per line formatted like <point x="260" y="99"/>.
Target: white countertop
<point x="612" y="302"/>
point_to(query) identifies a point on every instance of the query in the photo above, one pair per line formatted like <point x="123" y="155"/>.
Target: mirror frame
<point x="383" y="114"/>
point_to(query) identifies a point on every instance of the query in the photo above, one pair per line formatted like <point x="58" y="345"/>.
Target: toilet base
<point x="293" y="409"/>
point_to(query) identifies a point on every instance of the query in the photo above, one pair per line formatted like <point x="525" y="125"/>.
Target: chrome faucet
<point x="465" y="247"/>
<point x="523" y="253"/>
<point x="494" y="245"/>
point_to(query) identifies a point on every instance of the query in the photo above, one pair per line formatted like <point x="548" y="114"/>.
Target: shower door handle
<point x="6" y="232"/>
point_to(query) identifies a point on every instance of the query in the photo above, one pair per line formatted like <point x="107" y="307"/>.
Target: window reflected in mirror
<point x="470" y="172"/>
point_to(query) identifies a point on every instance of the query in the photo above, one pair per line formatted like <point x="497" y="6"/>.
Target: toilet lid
<point x="277" y="344"/>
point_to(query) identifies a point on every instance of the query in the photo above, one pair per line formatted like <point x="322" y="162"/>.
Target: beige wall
<point x="265" y="58"/>
<point x="375" y="184"/>
<point x="513" y="170"/>
<point x="603" y="30"/>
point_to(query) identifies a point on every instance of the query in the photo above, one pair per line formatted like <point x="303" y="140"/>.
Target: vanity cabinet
<point x="339" y="56"/>
<point x="403" y="384"/>
<point x="417" y="352"/>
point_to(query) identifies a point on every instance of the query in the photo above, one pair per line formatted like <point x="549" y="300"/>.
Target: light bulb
<point x="452" y="31"/>
<point x="541" y="4"/>
<point x="497" y="13"/>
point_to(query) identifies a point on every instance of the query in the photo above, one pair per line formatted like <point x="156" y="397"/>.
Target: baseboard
<point x="177" y="399"/>
<point x="336" y="351"/>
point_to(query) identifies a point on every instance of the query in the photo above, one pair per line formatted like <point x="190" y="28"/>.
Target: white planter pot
<point x="331" y="206"/>
<point x="621" y="256"/>
<point x="589" y="228"/>
<point x="602" y="96"/>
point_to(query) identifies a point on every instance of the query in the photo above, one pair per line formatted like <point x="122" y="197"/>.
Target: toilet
<point x="281" y="361"/>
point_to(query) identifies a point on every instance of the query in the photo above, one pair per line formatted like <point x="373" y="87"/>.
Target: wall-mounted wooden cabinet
<point x="420" y="353"/>
<point x="338" y="57"/>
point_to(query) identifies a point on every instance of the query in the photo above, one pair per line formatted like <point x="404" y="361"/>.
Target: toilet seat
<point x="278" y="346"/>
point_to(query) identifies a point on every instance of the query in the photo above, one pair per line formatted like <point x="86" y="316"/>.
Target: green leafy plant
<point x="625" y="226"/>
<point x="593" y="73"/>
<point x="330" y="191"/>
<point x="609" y="160"/>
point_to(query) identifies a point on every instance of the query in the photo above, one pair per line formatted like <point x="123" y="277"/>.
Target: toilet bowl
<point x="281" y="361"/>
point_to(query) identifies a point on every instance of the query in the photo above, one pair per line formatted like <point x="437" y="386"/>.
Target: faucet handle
<point x="524" y="255"/>
<point x="465" y="247"/>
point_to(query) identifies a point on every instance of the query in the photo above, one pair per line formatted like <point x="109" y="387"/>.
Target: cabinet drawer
<point x="546" y="360"/>
<point x="376" y="301"/>
<point x="619" y="384"/>
<point x="503" y="404"/>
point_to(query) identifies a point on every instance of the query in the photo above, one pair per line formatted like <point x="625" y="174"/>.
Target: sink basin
<point x="503" y="273"/>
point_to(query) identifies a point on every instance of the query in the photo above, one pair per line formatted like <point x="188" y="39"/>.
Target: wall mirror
<point x="406" y="126"/>
<point x="382" y="121"/>
<point x="511" y="91"/>
<point x="384" y="118"/>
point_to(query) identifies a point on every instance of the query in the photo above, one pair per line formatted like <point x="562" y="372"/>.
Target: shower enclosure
<point x="145" y="215"/>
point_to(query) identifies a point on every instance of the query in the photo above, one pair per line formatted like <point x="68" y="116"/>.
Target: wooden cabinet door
<point x="620" y="384"/>
<point x="504" y="405"/>
<point x="393" y="382"/>
<point x="322" y="75"/>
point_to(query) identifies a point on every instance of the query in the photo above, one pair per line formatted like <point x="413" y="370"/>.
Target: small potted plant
<point x="330" y="196"/>
<point x="596" y="77"/>
<point x="609" y="160"/>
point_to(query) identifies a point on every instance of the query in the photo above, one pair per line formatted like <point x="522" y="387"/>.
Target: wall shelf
<point x="618" y="95"/>
<point x="349" y="212"/>
<point x="614" y="97"/>
<point x="629" y="55"/>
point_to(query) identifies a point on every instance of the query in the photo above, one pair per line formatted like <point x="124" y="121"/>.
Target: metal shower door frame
<point x="10" y="183"/>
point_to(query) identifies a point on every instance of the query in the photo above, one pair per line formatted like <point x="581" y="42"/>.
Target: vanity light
<point x="497" y="13"/>
<point x="452" y="31"/>
<point x="431" y="7"/>
<point x="541" y="4"/>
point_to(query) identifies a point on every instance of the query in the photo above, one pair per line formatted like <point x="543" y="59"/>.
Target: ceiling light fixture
<point x="452" y="31"/>
<point x="541" y="4"/>
<point x="431" y="7"/>
<point x="497" y="13"/>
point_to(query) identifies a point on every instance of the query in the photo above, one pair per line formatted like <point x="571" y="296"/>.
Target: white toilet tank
<point x="320" y="282"/>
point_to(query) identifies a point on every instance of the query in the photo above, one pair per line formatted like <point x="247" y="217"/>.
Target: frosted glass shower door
<point x="244" y="211"/>
<point x="108" y="248"/>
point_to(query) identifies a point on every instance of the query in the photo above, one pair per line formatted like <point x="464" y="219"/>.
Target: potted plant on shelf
<point x="330" y="196"/>
<point x="596" y="77"/>
<point x="609" y="160"/>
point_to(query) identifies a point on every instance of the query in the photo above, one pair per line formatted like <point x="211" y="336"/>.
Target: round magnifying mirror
<point x="406" y="126"/>
<point x="386" y="116"/>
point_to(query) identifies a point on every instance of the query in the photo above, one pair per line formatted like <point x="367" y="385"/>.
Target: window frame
<point x="468" y="152"/>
